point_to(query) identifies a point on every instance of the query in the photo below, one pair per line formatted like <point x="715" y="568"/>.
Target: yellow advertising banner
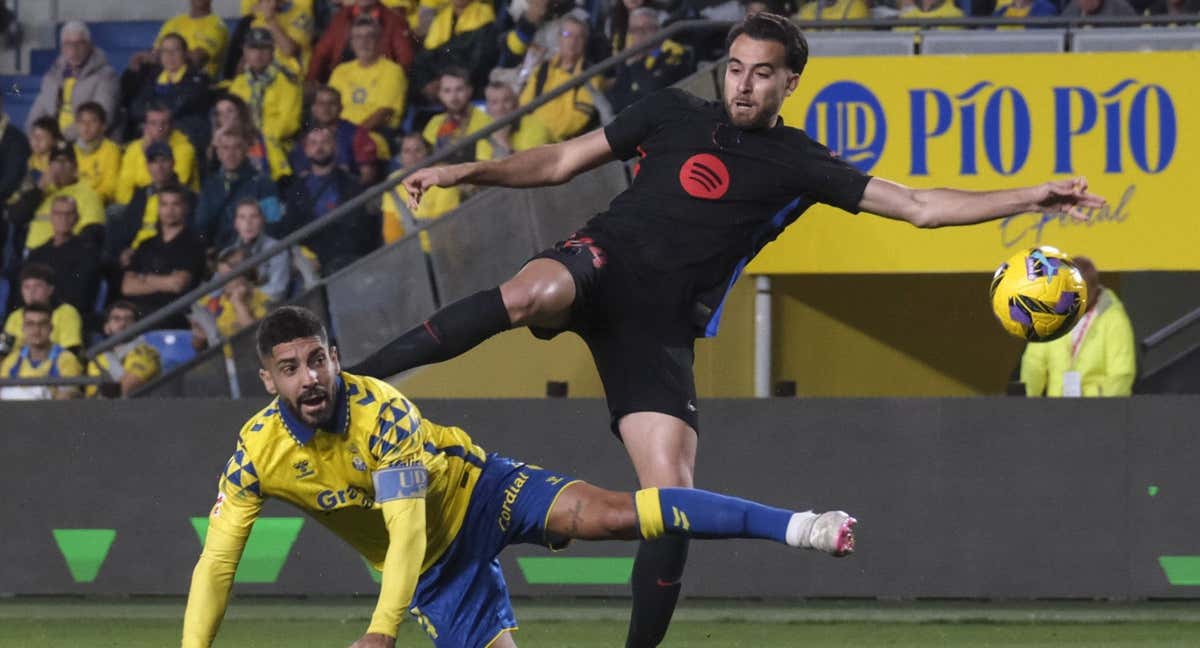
<point x="1124" y="120"/>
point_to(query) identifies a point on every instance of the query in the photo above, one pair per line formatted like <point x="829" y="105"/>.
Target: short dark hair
<point x="37" y="271"/>
<point x="456" y="71"/>
<point x="48" y="124"/>
<point x="154" y="105"/>
<point x="38" y="308"/>
<point x="174" y="187"/>
<point x="176" y="36"/>
<point x="330" y="90"/>
<point x="125" y="305"/>
<point x="286" y="324"/>
<point x="773" y="27"/>
<point x="94" y="108"/>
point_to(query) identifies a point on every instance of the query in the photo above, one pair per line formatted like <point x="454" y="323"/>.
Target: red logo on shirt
<point x="704" y="176"/>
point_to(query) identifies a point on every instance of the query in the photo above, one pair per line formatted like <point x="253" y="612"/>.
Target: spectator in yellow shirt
<point x="270" y="90"/>
<point x="232" y="308"/>
<point x="529" y="131"/>
<point x="206" y="35"/>
<point x="131" y="364"/>
<point x="461" y="118"/>
<point x="930" y="9"/>
<point x="39" y="357"/>
<point x="436" y="201"/>
<point x="44" y="135"/>
<point x="1097" y="358"/>
<point x="99" y="158"/>
<point x="573" y="112"/>
<point x="834" y="10"/>
<point x="158" y="127"/>
<point x="291" y="25"/>
<point x="60" y="179"/>
<point x="373" y="88"/>
<point x="37" y="289"/>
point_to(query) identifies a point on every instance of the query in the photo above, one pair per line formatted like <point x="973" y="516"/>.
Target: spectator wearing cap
<point x="74" y="260"/>
<point x="527" y="133"/>
<point x="435" y="201"/>
<point x="573" y="112"/>
<point x="291" y="25"/>
<point x="183" y="89"/>
<point x="138" y="222"/>
<point x="334" y="46"/>
<point x="169" y="264"/>
<point x="61" y="179"/>
<point x="39" y="357"/>
<point x="659" y="68"/>
<point x="270" y="90"/>
<point x="326" y="112"/>
<point x="321" y="189"/>
<point x="131" y="364"/>
<point x="275" y="273"/>
<point x="463" y="33"/>
<point x="81" y="74"/>
<point x="37" y="283"/>
<point x="205" y="33"/>
<point x="15" y="151"/>
<point x="372" y="87"/>
<point x="98" y="157"/>
<point x="236" y="179"/>
<point x="157" y="126"/>
<point x="461" y="118"/>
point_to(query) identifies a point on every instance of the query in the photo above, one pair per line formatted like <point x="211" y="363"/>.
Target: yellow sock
<point x="649" y="512"/>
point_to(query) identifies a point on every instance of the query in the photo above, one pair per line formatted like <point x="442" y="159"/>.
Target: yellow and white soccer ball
<point x="1038" y="294"/>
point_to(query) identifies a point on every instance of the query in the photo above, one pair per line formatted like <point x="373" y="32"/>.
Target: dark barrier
<point x="992" y="498"/>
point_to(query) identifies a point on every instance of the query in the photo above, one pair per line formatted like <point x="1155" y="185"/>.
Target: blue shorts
<point x="462" y="600"/>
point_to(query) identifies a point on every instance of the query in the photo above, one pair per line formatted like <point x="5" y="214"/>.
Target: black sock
<point x="452" y="331"/>
<point x="657" y="576"/>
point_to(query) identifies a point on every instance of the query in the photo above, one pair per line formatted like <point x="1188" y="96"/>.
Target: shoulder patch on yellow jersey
<point x="241" y="474"/>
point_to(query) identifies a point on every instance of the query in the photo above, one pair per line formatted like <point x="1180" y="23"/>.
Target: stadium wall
<point x="978" y="498"/>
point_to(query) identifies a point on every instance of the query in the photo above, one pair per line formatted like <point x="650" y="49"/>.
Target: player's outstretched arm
<point x="943" y="207"/>
<point x="401" y="492"/>
<point x="229" y="525"/>
<point x="551" y="164"/>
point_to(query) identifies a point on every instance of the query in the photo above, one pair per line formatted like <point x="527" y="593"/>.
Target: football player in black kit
<point x="641" y="281"/>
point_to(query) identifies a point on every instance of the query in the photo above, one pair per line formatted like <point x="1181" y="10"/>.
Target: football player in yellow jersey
<point x="426" y="505"/>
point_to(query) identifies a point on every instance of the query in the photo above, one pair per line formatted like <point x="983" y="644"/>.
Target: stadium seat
<point x="124" y="34"/>
<point x="993" y="42"/>
<point x="40" y="60"/>
<point x="174" y="346"/>
<point x="20" y="91"/>
<point x="1136" y="39"/>
<point x="865" y="44"/>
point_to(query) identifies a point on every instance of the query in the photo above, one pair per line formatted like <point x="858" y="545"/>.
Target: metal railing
<point x="1170" y="330"/>
<point x="688" y="26"/>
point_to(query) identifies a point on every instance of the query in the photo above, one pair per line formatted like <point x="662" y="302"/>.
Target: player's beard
<point x="762" y="115"/>
<point x="319" y="397"/>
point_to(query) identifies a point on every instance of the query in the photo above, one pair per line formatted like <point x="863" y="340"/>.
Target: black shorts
<point x="638" y="327"/>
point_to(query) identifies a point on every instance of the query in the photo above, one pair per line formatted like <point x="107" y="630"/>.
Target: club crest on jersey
<point x="704" y="176"/>
<point x="303" y="469"/>
<point x="358" y="463"/>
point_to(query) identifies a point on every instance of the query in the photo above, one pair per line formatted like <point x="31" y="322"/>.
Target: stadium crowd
<point x="126" y="190"/>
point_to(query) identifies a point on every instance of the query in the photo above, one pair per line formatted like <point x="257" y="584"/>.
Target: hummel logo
<point x="691" y="407"/>
<point x="303" y="469"/>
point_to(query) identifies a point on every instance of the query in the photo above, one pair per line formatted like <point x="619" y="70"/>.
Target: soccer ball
<point x="1038" y="294"/>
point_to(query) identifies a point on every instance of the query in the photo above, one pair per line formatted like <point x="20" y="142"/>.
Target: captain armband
<point x="400" y="482"/>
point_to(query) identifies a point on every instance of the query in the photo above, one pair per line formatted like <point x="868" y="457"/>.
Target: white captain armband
<point x="400" y="482"/>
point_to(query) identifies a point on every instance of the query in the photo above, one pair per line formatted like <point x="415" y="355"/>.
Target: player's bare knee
<point x="519" y="300"/>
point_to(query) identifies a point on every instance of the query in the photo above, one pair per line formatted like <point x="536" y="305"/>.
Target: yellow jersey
<point x="377" y="439"/>
<point x="441" y="135"/>
<point x="87" y="204"/>
<point x="137" y="358"/>
<point x="100" y="168"/>
<point x="296" y="18"/>
<point x="569" y="114"/>
<point x="944" y="10"/>
<point x="839" y="10"/>
<point x="278" y="112"/>
<point x="18" y="364"/>
<point x="66" y="110"/>
<point x="366" y="89"/>
<point x="226" y="317"/>
<point x="66" y="332"/>
<point x="446" y="25"/>
<point x="435" y="202"/>
<point x="135" y="174"/>
<point x="207" y="33"/>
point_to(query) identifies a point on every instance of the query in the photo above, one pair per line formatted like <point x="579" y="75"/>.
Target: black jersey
<point x="707" y="195"/>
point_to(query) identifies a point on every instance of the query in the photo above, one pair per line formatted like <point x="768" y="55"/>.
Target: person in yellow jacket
<point x="131" y="365"/>
<point x="290" y="22"/>
<point x="157" y="127"/>
<point x="833" y="10"/>
<point x="461" y="119"/>
<point x="573" y="112"/>
<point x="99" y="158"/>
<point x="527" y="133"/>
<point x="1097" y="358"/>
<point x="397" y="216"/>
<point x="62" y="179"/>
<point x="457" y="18"/>
<point x="271" y="91"/>
<point x="206" y="35"/>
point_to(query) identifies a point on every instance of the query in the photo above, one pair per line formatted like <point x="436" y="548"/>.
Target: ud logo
<point x="303" y="469"/>
<point x="359" y="96"/>
<point x="848" y="118"/>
